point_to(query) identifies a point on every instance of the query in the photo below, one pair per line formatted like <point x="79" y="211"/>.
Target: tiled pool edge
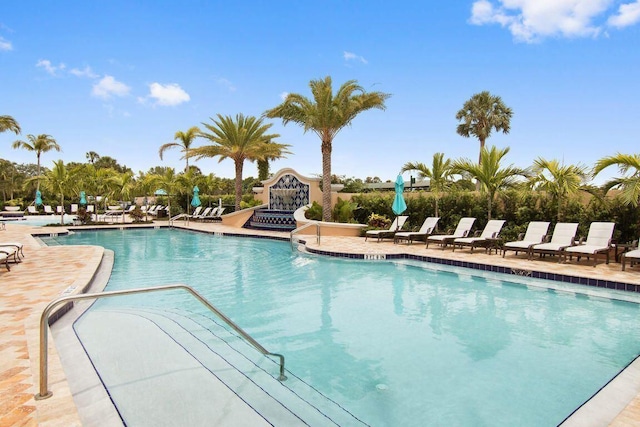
<point x="576" y="280"/>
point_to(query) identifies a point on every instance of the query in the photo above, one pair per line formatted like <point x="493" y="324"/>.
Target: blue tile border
<point x="585" y="281"/>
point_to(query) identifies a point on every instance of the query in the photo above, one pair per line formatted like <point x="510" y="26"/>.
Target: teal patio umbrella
<point x="399" y="205"/>
<point x="195" y="202"/>
<point x="38" y="198"/>
<point x="83" y="198"/>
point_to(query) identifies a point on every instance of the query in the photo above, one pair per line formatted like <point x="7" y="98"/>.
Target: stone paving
<point x="49" y="272"/>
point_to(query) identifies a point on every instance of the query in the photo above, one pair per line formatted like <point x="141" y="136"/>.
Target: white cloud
<point x="628" y="14"/>
<point x="226" y="83"/>
<point x="5" y="44"/>
<point x="350" y="56"/>
<point x="108" y="87"/>
<point x="86" y="72"/>
<point x="168" y="95"/>
<point x="533" y="20"/>
<point x="49" y="67"/>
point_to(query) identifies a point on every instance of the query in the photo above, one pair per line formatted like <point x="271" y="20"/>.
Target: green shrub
<point x="343" y="211"/>
<point x="314" y="212"/>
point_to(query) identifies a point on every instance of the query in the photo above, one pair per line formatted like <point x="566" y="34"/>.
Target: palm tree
<point x="558" y="180"/>
<point x="185" y="141"/>
<point x="489" y="174"/>
<point x="92" y="156"/>
<point x="439" y="174"/>
<point x="9" y="123"/>
<point x="121" y="186"/>
<point x="58" y="181"/>
<point x="40" y="144"/>
<point x="240" y="139"/>
<point x="326" y="115"/>
<point x="629" y="185"/>
<point x="480" y="115"/>
<point x="168" y="182"/>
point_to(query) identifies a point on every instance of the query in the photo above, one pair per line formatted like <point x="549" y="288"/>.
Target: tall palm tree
<point x="326" y="115"/>
<point x="8" y="123"/>
<point x="121" y="186"/>
<point x="92" y="156"/>
<point x="489" y="174"/>
<point x="240" y="139"/>
<point x="480" y="115"/>
<point x="40" y="144"/>
<point x="168" y="182"/>
<point x="58" y="180"/>
<point x="560" y="181"/>
<point x="439" y="174"/>
<point x="185" y="140"/>
<point x="629" y="185"/>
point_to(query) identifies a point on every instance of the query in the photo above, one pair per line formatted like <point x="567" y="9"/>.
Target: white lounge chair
<point x="205" y="213"/>
<point x="462" y="230"/>
<point x="535" y="234"/>
<point x="633" y="256"/>
<point x="396" y="225"/>
<point x="16" y="246"/>
<point x="491" y="231"/>
<point x="74" y="208"/>
<point x="60" y="210"/>
<point x="598" y="242"/>
<point x="196" y="212"/>
<point x="427" y="228"/>
<point x="564" y="234"/>
<point x="32" y="210"/>
<point x="48" y="210"/>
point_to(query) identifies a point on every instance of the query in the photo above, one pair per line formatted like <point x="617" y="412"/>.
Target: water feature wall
<point x="288" y="194"/>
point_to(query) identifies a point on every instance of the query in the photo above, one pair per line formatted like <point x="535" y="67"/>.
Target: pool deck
<point x="50" y="272"/>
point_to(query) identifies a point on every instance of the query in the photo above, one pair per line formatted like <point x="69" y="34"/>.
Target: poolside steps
<point x="198" y="349"/>
<point x="271" y="220"/>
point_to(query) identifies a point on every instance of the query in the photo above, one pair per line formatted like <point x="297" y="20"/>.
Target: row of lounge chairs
<point x="207" y="214"/>
<point x="535" y="240"/>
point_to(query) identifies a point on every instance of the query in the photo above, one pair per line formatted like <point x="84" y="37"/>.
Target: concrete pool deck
<point x="49" y="272"/>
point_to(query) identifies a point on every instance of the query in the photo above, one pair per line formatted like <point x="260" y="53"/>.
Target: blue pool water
<point x="393" y="343"/>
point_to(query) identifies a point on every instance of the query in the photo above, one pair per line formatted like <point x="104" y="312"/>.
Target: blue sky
<point x="121" y="77"/>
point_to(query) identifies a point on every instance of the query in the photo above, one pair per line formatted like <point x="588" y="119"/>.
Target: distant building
<point x="390" y="186"/>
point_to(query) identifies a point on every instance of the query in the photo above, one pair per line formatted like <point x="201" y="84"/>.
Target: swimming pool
<point x="42" y="220"/>
<point x="393" y="343"/>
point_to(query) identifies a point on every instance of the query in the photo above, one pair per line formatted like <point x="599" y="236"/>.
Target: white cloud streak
<point x="531" y="21"/>
<point x="628" y="14"/>
<point x="5" y="44"/>
<point x="108" y="87"/>
<point x="86" y="72"/>
<point x="350" y="56"/>
<point x="168" y="95"/>
<point x="49" y="67"/>
<point x="226" y="83"/>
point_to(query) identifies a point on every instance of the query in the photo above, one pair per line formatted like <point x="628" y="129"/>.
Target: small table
<point x="492" y="243"/>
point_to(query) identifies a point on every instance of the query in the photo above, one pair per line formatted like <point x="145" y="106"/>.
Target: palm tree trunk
<point x="326" y="180"/>
<point x="62" y="213"/>
<point x="480" y="161"/>
<point x="239" y="165"/>
<point x="38" y="181"/>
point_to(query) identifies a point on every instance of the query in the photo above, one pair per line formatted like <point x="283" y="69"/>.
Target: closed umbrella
<point x="38" y="198"/>
<point x="83" y="198"/>
<point x="399" y="205"/>
<point x="195" y="202"/>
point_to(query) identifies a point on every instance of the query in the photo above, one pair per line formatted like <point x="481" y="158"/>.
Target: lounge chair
<point x="427" y="228"/>
<point x="74" y="208"/>
<point x="4" y="257"/>
<point x="598" y="242"/>
<point x="462" y="230"/>
<point x="60" y="210"/>
<point x="633" y="257"/>
<point x="48" y="210"/>
<point x="32" y="210"/>
<point x="8" y="252"/>
<point x="563" y="236"/>
<point x="195" y="212"/>
<point x="535" y="234"/>
<point x="396" y="225"/>
<point x="14" y="246"/>
<point x="491" y="231"/>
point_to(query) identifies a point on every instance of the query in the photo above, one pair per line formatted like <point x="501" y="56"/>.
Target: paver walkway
<point x="49" y="272"/>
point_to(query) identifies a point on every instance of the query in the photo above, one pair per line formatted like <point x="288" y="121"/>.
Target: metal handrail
<point x="302" y="227"/>
<point x="44" y="321"/>
<point x="178" y="217"/>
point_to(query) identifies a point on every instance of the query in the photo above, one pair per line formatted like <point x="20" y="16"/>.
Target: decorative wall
<point x="288" y="194"/>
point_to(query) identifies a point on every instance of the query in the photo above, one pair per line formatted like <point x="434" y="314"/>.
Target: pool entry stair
<point x="172" y="368"/>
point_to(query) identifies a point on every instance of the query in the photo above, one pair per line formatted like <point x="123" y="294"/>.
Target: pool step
<point x="190" y="359"/>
